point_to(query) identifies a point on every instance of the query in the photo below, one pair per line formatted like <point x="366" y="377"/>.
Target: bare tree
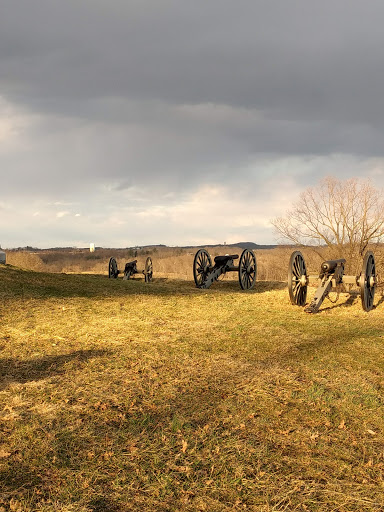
<point x="345" y="216"/>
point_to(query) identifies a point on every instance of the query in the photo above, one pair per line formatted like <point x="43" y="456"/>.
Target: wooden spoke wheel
<point x="148" y="270"/>
<point x="201" y="267"/>
<point x="367" y="281"/>
<point x="297" y="279"/>
<point x="112" y="269"/>
<point x="247" y="270"/>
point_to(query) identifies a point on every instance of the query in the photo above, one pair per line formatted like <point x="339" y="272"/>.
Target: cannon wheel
<point x="247" y="270"/>
<point x="201" y="265"/>
<point x="112" y="269"/>
<point x="368" y="281"/>
<point x="148" y="270"/>
<point x="296" y="287"/>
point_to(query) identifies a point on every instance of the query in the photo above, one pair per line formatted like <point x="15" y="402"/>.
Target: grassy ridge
<point x="118" y="396"/>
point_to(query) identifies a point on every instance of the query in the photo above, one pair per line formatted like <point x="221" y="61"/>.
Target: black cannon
<point x="331" y="278"/>
<point x="204" y="273"/>
<point x="130" y="270"/>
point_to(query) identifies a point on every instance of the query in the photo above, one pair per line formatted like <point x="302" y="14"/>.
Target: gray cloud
<point x="288" y="58"/>
<point x="146" y="103"/>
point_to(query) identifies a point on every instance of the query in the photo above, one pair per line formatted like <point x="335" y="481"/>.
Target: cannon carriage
<point x="130" y="270"/>
<point x="331" y="278"/>
<point x="204" y="273"/>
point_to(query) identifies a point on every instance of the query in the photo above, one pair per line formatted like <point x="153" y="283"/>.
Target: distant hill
<point x="243" y="245"/>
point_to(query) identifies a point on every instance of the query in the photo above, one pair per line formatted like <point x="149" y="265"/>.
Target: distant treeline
<point x="242" y="245"/>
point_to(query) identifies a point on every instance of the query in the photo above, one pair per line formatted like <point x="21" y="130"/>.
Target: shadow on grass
<point x="155" y="430"/>
<point x="352" y="299"/>
<point x="28" y="284"/>
<point x="349" y="302"/>
<point x="15" y="370"/>
<point x="381" y="300"/>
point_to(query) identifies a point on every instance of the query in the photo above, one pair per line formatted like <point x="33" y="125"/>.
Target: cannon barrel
<point x="330" y="265"/>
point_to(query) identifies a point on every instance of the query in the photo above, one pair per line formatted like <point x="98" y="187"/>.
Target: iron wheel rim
<point x="201" y="264"/>
<point x="148" y="270"/>
<point x="297" y="269"/>
<point x="112" y="269"/>
<point x="367" y="289"/>
<point x="247" y="270"/>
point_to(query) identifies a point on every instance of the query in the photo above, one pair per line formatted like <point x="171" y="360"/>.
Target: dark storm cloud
<point x="144" y="103"/>
<point x="292" y="60"/>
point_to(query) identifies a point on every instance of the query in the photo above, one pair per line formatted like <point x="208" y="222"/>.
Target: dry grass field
<point x="168" y="262"/>
<point x="124" y="396"/>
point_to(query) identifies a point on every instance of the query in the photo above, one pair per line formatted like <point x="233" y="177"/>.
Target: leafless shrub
<point x="25" y="259"/>
<point x="344" y="216"/>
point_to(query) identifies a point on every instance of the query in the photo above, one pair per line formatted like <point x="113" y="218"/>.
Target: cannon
<point x="130" y="269"/>
<point x="331" y="278"/>
<point x="204" y="273"/>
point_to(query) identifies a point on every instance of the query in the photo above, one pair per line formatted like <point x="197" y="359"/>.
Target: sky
<point x="134" y="122"/>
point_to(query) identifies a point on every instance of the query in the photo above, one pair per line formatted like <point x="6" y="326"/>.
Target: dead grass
<point x="121" y="396"/>
<point x="168" y="262"/>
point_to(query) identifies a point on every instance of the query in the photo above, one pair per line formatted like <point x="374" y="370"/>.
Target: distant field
<point x="120" y="396"/>
<point x="170" y="262"/>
